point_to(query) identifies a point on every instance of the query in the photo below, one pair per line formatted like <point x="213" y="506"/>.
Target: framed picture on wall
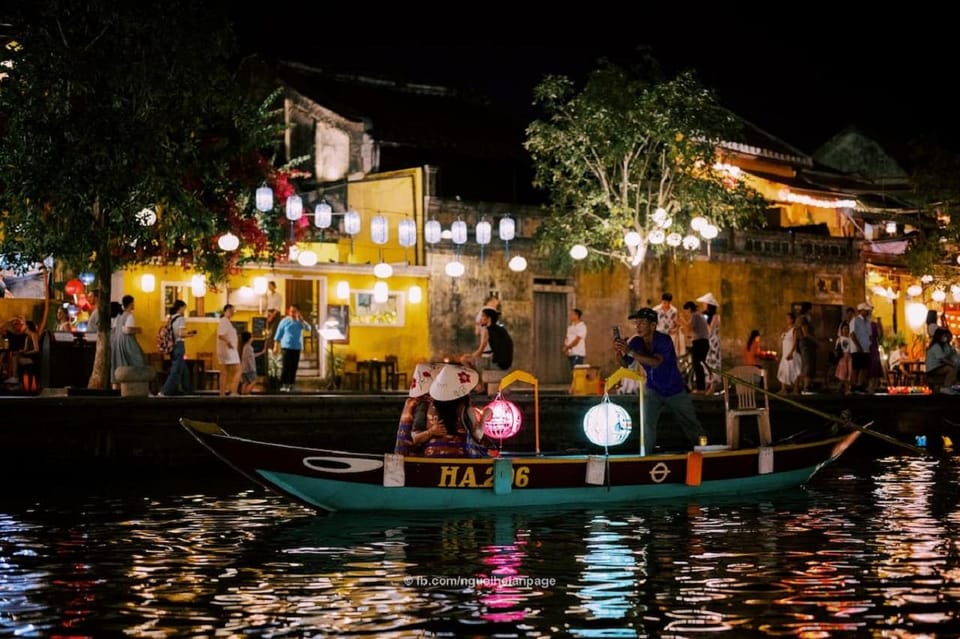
<point x="365" y="311"/>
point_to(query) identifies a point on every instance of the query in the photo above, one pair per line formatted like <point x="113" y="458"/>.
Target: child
<point x="844" y="362"/>
<point x="248" y="363"/>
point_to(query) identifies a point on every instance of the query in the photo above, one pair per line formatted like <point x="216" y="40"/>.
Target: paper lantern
<point x="607" y="424"/>
<point x="698" y="223"/>
<point x="407" y="233"/>
<point x="380" y="293"/>
<point x="674" y="239"/>
<point x="87" y="278"/>
<point x="351" y="222"/>
<point x="691" y="242"/>
<point x="415" y="296"/>
<point x="383" y="270"/>
<point x="307" y="258"/>
<point x="432" y="231"/>
<point x="508" y="229"/>
<point x="294" y="207"/>
<point x="322" y="215"/>
<point x="264" y="198"/>
<point x="260" y="285"/>
<point x="228" y="242"/>
<point x="517" y="263"/>
<point x="72" y="287"/>
<point x="148" y="282"/>
<point x="632" y="238"/>
<point x="709" y="231"/>
<point x="483" y="232"/>
<point x="504" y="419"/>
<point x="578" y="251"/>
<point x="458" y="232"/>
<point x="379" y="230"/>
<point x="454" y="269"/>
<point x="343" y="290"/>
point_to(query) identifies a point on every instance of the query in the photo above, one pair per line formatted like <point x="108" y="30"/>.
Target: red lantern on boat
<point x="72" y="287"/>
<point x="503" y="420"/>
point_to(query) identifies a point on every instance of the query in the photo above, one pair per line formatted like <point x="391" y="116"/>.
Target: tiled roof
<point x="427" y="117"/>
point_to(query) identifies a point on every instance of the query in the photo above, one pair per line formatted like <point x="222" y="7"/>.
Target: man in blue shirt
<point x="665" y="386"/>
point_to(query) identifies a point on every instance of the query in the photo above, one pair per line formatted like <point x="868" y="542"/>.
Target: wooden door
<point x="550" y="313"/>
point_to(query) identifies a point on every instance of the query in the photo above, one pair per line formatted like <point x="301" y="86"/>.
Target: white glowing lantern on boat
<point x="607" y="424"/>
<point x="504" y="419"/>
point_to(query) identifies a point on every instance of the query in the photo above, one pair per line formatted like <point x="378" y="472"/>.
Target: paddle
<point x="833" y="418"/>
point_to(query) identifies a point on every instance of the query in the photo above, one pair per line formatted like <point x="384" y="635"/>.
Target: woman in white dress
<point x="711" y="312"/>
<point x="790" y="364"/>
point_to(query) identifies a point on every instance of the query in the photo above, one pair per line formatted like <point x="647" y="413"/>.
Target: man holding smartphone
<point x="665" y="386"/>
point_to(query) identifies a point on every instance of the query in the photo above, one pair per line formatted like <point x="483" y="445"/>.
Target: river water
<point x="869" y="548"/>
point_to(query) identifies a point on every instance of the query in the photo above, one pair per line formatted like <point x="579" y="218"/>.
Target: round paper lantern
<point x="504" y="420"/>
<point x="607" y="424"/>
<point x="228" y="242"/>
<point x="578" y="251"/>
<point x="432" y="231"/>
<point x="87" y="278"/>
<point x="72" y="287"/>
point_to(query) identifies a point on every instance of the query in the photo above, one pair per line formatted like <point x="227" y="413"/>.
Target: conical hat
<point x="453" y="382"/>
<point x="708" y="298"/>
<point x="423" y="376"/>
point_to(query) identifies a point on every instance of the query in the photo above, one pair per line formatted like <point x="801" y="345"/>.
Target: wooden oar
<point x="833" y="418"/>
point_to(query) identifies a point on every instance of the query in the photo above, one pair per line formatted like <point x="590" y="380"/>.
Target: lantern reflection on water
<point x="607" y="424"/>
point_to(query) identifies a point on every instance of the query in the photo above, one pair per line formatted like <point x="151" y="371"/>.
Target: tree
<point x="115" y="114"/>
<point x="625" y="155"/>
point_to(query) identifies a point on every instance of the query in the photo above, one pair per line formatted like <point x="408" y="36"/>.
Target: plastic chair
<point x="743" y="401"/>
<point x="394" y="376"/>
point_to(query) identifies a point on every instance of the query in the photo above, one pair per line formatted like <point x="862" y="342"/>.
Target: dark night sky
<point x="801" y="82"/>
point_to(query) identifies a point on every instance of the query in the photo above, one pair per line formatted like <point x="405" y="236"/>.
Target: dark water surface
<point x="868" y="549"/>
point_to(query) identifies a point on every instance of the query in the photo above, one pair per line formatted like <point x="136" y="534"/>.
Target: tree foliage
<point x="112" y="108"/>
<point x="625" y="153"/>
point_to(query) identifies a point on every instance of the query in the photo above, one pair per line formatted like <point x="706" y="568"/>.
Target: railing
<point x="786" y="243"/>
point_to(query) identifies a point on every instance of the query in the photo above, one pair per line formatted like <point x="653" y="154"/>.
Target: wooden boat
<point x="338" y="480"/>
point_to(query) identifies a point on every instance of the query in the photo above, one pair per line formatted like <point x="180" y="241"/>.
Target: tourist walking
<point x="228" y="352"/>
<point x="124" y="348"/>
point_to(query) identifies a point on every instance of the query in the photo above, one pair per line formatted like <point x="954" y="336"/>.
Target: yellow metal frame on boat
<point x="524" y="376"/>
<point x="641" y="377"/>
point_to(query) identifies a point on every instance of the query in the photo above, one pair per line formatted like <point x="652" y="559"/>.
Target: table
<point x="374" y="371"/>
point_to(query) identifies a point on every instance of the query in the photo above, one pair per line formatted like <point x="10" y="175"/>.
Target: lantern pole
<point x="523" y="376"/>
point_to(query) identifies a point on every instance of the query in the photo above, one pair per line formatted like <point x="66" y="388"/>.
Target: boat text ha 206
<point x="346" y="481"/>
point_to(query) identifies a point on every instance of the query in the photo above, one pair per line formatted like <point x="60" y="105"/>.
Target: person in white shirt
<point x="227" y="352"/>
<point x="668" y="322"/>
<point x="575" y="344"/>
<point x="274" y="299"/>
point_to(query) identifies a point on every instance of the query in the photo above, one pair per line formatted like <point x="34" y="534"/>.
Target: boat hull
<point x="337" y="480"/>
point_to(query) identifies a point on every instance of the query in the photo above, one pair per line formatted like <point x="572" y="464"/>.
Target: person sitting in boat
<point x="454" y="428"/>
<point x="413" y="419"/>
<point x="665" y="386"/>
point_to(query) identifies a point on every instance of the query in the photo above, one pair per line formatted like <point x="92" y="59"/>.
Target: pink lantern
<point x="503" y="419"/>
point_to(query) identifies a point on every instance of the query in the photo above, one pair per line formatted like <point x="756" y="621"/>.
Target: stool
<point x="135" y="380"/>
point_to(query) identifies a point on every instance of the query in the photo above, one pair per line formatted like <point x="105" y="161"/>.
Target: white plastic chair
<point x="743" y="401"/>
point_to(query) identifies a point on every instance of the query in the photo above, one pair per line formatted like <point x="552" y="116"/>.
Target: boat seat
<point x="740" y="400"/>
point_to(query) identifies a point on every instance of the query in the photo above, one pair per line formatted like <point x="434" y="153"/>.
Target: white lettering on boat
<point x="450" y="477"/>
<point x="659" y="472"/>
<point x="342" y="464"/>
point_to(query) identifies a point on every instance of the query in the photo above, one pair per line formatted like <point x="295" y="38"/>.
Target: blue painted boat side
<point x="335" y="495"/>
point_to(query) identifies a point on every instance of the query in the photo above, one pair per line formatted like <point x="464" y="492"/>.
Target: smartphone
<point x="616" y="332"/>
